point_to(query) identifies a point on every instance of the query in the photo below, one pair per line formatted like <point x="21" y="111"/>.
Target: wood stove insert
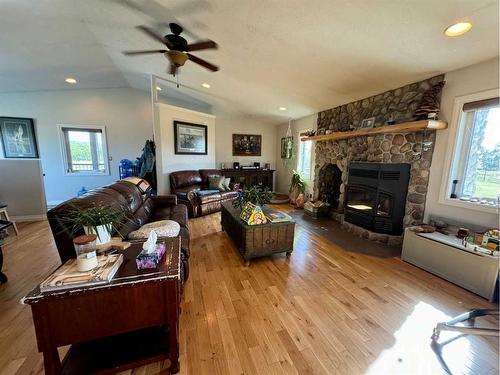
<point x="376" y="196"/>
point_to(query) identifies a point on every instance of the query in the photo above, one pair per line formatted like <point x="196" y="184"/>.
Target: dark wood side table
<point x="253" y="241"/>
<point x="130" y="322"/>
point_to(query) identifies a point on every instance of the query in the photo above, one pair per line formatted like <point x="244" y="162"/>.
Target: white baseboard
<point x="29" y="218"/>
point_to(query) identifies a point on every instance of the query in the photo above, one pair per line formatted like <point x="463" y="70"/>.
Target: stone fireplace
<point x="329" y="181"/>
<point x="415" y="149"/>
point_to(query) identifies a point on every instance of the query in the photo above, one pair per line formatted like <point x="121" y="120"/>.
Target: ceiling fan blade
<point x="203" y="63"/>
<point x="204" y="44"/>
<point x="144" y="52"/>
<point x="154" y="34"/>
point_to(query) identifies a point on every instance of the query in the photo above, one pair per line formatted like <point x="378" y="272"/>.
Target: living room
<point x="289" y="189"/>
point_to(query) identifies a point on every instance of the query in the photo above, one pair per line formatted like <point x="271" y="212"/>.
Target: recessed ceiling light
<point x="70" y="80"/>
<point x="282" y="108"/>
<point x="206" y="85"/>
<point x="158" y="88"/>
<point x="458" y="28"/>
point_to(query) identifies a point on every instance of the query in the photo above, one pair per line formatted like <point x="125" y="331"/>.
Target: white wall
<point x="167" y="160"/>
<point x="21" y="188"/>
<point x="475" y="78"/>
<point x="125" y="112"/>
<point x="285" y="167"/>
<point x="227" y="126"/>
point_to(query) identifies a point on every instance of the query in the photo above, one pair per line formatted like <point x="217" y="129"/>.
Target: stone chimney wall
<point x="398" y="105"/>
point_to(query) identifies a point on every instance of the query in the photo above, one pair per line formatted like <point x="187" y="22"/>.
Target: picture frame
<point x="190" y="138"/>
<point x="286" y="150"/>
<point x="247" y="144"/>
<point x="18" y="137"/>
<point x="368" y="122"/>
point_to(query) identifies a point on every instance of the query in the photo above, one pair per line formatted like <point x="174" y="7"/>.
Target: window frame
<point x="65" y="155"/>
<point x="452" y="163"/>
<point x="309" y="178"/>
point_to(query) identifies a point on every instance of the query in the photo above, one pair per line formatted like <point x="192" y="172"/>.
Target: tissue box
<point x="151" y="260"/>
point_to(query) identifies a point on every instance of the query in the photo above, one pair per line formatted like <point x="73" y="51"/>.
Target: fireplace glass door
<point x="361" y="198"/>
<point x="384" y="205"/>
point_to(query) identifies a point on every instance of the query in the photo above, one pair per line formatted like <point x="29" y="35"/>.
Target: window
<point x="305" y="158"/>
<point x="84" y="150"/>
<point x="475" y="166"/>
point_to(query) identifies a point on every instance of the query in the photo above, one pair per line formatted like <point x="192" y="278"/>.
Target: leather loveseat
<point x="140" y="209"/>
<point x="192" y="189"/>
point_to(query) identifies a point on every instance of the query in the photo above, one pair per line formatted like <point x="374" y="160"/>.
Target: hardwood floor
<point x="326" y="310"/>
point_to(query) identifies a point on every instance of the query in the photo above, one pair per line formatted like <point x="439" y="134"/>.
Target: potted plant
<point x="250" y="202"/>
<point x="297" y="186"/>
<point x="99" y="220"/>
<point x="254" y="194"/>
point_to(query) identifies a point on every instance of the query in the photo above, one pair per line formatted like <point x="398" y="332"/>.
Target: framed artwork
<point x="190" y="139"/>
<point x="368" y="122"/>
<point x="286" y="147"/>
<point x="247" y="144"/>
<point x="18" y="137"/>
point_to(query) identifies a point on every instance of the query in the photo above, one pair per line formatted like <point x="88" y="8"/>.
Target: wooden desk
<point x="132" y="321"/>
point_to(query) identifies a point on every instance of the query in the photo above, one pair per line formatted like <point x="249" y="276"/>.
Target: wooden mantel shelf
<point x="404" y="127"/>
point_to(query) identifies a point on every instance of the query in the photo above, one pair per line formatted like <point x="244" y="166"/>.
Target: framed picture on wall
<point x="18" y="137"/>
<point x="247" y="144"/>
<point x="190" y="139"/>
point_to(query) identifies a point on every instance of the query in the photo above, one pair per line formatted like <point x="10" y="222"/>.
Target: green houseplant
<point x="254" y="194"/>
<point x="99" y="220"/>
<point x="297" y="186"/>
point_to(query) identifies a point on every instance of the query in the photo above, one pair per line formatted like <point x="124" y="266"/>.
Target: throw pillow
<point x="216" y="183"/>
<point x="163" y="228"/>
<point x="226" y="183"/>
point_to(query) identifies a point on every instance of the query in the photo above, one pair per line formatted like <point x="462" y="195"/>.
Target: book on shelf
<point x="68" y="277"/>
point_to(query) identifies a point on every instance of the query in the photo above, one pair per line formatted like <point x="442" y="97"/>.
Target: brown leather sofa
<point x="140" y="209"/>
<point x="191" y="189"/>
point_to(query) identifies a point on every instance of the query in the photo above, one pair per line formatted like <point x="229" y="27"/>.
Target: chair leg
<point x="4" y="212"/>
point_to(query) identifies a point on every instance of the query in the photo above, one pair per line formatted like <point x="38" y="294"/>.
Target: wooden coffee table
<point x="255" y="241"/>
<point x="130" y="322"/>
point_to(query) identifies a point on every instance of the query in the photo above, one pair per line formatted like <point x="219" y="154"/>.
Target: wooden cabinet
<point x="251" y="177"/>
<point x="253" y="241"/>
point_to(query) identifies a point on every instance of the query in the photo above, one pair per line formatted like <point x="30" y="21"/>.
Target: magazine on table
<point x="68" y="277"/>
<point x="276" y="216"/>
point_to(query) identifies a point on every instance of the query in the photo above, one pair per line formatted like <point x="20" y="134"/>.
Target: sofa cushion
<point x="163" y="228"/>
<point x="216" y="183"/>
<point x="182" y="179"/>
<point x="130" y="193"/>
<point x="226" y="183"/>
<point x="183" y="192"/>
<point x="207" y="173"/>
<point x="227" y="195"/>
<point x="207" y="196"/>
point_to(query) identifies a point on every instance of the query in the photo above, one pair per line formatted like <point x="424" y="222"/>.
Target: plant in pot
<point x="99" y="220"/>
<point x="297" y="187"/>
<point x="250" y="202"/>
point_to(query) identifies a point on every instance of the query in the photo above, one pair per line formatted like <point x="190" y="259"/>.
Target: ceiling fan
<point x="178" y="49"/>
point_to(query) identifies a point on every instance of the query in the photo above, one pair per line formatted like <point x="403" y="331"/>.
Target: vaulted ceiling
<point x="306" y="55"/>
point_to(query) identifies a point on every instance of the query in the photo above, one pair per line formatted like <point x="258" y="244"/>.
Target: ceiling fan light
<point x="177" y="58"/>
